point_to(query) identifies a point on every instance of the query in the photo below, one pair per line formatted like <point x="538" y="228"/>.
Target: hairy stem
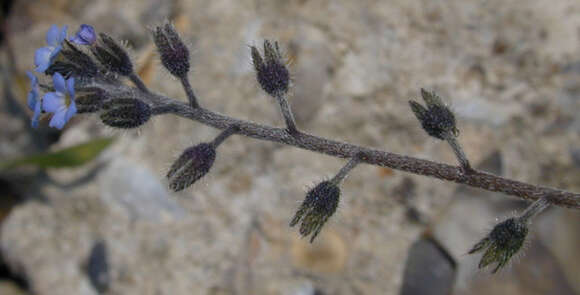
<point x="138" y="82"/>
<point x="459" y="154"/>
<point x="535" y="208"/>
<point x="233" y="129"/>
<point x="475" y="178"/>
<point x="346" y="169"/>
<point x="287" y="114"/>
<point x="189" y="91"/>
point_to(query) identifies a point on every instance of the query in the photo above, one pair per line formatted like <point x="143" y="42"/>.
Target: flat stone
<point x="138" y="191"/>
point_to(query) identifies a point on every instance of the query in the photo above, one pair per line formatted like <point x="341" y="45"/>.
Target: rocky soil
<point x="510" y="70"/>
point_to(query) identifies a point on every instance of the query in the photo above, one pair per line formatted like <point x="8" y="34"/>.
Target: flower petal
<point x="59" y="83"/>
<point x="58" y="119"/>
<point x="42" y="58"/>
<point x="62" y="34"/>
<point x="70" y="86"/>
<point x="85" y="35"/>
<point x="52" y="102"/>
<point x="71" y="111"/>
<point x="52" y="35"/>
<point x="36" y="115"/>
<point x="78" y="40"/>
<point x="54" y="52"/>
<point x="31" y="102"/>
<point x="33" y="93"/>
<point x="33" y="79"/>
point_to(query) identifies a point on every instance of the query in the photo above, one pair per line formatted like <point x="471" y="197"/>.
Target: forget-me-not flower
<point x="61" y="102"/>
<point x="85" y="35"/>
<point x="34" y="102"/>
<point x="43" y="56"/>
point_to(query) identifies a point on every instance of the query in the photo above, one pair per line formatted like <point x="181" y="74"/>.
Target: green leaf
<point x="69" y="157"/>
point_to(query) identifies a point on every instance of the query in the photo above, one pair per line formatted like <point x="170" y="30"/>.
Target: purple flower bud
<point x="318" y="206"/>
<point x="112" y="56"/>
<point x="193" y="164"/>
<point x="84" y="36"/>
<point x="271" y="71"/>
<point x="91" y="102"/>
<point x="76" y="63"/>
<point x="174" y="54"/>
<point x="65" y="69"/>
<point x="125" y="113"/>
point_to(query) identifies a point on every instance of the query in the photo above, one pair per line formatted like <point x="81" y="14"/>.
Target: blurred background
<point x="86" y="210"/>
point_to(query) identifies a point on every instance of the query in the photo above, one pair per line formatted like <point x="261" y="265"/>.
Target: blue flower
<point x="43" y="56"/>
<point x="62" y="107"/>
<point x="84" y="36"/>
<point x="34" y="102"/>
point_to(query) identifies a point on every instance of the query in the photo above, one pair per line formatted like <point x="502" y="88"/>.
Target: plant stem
<point x="459" y="154"/>
<point x="189" y="91"/>
<point x="138" y="82"/>
<point x="346" y="169"/>
<point x="535" y="208"/>
<point x="287" y="114"/>
<point x="233" y="129"/>
<point x="475" y="178"/>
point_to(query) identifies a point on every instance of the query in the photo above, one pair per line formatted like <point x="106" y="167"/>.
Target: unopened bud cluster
<point x="173" y="52"/>
<point x="508" y="237"/>
<point x="92" y="66"/>
<point x="76" y="63"/>
<point x="196" y="161"/>
<point x="321" y="202"/>
<point x="90" y="102"/>
<point x="112" y="55"/>
<point x="271" y="71"/>
<point x="125" y="113"/>
<point x="318" y="206"/>
<point x="505" y="240"/>
<point x="193" y="164"/>
<point x="439" y="122"/>
<point x="436" y="119"/>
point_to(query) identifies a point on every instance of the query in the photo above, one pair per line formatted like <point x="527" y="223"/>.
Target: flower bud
<point x="437" y="119"/>
<point x="112" y="56"/>
<point x="125" y="113"/>
<point x="90" y="102"/>
<point x="66" y="69"/>
<point x="505" y="240"/>
<point x="271" y="71"/>
<point x="174" y="54"/>
<point x="320" y="203"/>
<point x="193" y="164"/>
<point x="85" y="35"/>
<point x="84" y="64"/>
